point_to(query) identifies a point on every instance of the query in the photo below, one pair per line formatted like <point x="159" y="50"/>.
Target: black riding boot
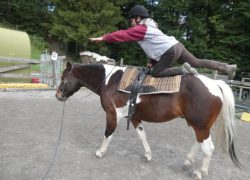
<point x="184" y="69"/>
<point x="168" y="72"/>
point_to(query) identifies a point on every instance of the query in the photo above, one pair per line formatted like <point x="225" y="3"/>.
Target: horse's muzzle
<point x="60" y="96"/>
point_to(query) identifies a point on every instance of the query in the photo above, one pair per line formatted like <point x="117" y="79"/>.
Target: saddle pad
<point x="150" y="84"/>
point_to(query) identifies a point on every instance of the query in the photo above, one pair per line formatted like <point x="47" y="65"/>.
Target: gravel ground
<point x="29" y="128"/>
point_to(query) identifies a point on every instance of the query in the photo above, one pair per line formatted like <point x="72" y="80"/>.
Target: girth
<point x="134" y="92"/>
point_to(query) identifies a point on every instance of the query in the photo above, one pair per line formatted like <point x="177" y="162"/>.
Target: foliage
<point x="31" y="16"/>
<point x="76" y="21"/>
<point x="232" y="33"/>
<point x="38" y="46"/>
<point x="214" y="29"/>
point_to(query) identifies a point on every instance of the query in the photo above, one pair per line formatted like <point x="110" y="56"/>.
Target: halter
<point x="65" y="81"/>
<point x="64" y="85"/>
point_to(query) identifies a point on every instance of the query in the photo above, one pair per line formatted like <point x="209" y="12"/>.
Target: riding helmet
<point x="138" y="10"/>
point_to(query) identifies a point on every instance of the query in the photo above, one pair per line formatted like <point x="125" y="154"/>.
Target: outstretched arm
<point x="135" y="33"/>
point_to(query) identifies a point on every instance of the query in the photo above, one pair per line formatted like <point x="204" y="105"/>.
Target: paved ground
<point x="29" y="128"/>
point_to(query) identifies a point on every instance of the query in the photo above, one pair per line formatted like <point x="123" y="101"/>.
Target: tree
<point x="30" y="16"/>
<point x="231" y="41"/>
<point x="220" y="29"/>
<point x="214" y="29"/>
<point x="209" y="29"/>
<point x="76" y="21"/>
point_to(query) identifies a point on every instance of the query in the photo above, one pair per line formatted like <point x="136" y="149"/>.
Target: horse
<point x="200" y="100"/>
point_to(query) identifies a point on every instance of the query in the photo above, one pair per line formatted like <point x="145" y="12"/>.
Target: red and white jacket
<point x="154" y="42"/>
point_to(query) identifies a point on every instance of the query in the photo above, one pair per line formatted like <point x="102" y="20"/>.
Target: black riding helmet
<point x="138" y="10"/>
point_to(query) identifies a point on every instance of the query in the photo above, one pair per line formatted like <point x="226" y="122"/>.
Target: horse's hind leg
<point x="191" y="155"/>
<point x="110" y="128"/>
<point x="142" y="135"/>
<point x="207" y="148"/>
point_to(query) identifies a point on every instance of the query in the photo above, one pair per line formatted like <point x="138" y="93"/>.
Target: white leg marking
<point x="191" y="155"/>
<point x="99" y="153"/>
<point x="207" y="148"/>
<point x="120" y="113"/>
<point x="197" y="175"/>
<point x="142" y="135"/>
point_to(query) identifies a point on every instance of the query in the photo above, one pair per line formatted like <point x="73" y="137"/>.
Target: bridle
<point x="63" y="88"/>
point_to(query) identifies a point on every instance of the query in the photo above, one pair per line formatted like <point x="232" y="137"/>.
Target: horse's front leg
<point x="110" y="128"/>
<point x="142" y="135"/>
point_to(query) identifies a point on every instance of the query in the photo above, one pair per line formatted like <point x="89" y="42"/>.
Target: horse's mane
<point x="88" y="66"/>
<point x="92" y="56"/>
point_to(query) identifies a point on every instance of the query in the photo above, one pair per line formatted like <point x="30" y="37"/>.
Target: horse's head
<point x="69" y="84"/>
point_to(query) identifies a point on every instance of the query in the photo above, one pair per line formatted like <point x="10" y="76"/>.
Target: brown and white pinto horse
<point x="200" y="100"/>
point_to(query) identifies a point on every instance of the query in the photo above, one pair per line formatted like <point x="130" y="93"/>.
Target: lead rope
<point x="60" y="133"/>
<point x="57" y="145"/>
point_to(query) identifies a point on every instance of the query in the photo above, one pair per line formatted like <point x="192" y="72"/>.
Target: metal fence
<point x="51" y="70"/>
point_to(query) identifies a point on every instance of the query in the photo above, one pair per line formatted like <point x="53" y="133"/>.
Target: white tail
<point x="225" y="124"/>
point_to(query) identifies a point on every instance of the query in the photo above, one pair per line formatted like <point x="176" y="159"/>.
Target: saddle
<point x="136" y="81"/>
<point x="150" y="85"/>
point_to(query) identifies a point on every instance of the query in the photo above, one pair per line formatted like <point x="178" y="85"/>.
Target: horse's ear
<point x="69" y="66"/>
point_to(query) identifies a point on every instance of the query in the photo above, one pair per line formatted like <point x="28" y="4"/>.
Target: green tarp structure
<point x="14" y="43"/>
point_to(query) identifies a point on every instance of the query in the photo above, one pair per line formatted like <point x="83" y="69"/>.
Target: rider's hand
<point x="149" y="65"/>
<point x="97" y="40"/>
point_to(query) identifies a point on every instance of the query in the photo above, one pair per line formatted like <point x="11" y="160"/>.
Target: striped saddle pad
<point x="150" y="84"/>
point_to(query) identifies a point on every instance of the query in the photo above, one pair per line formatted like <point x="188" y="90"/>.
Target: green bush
<point x="38" y="46"/>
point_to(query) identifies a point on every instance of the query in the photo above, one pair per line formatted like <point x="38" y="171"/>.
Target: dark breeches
<point x="186" y="56"/>
<point x="180" y="54"/>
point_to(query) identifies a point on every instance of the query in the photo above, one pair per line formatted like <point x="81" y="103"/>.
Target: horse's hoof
<point x="204" y="172"/>
<point x="99" y="154"/>
<point x="197" y="175"/>
<point x="148" y="156"/>
<point x="186" y="165"/>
